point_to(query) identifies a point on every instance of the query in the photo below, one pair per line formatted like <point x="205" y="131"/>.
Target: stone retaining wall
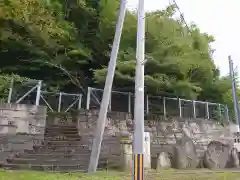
<point x="115" y="130"/>
<point x="21" y="127"/>
<point x="164" y="132"/>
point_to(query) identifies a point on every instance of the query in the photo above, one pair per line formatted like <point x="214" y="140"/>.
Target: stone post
<point x="126" y="154"/>
<point x="147" y="151"/>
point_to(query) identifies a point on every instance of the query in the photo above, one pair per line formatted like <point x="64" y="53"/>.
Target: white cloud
<point x="216" y="17"/>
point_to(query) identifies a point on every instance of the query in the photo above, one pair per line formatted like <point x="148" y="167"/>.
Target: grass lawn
<point x="163" y="175"/>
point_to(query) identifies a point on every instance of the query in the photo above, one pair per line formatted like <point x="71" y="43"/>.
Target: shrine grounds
<point x="161" y="175"/>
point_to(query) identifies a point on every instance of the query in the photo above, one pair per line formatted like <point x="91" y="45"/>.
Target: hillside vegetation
<point x="38" y="39"/>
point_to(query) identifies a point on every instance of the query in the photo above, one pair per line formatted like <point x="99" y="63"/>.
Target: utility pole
<point x="138" y="138"/>
<point x="235" y="98"/>
<point x="101" y="122"/>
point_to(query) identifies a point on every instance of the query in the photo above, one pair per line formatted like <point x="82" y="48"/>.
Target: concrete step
<point x="65" y="146"/>
<point x="80" y="145"/>
<point x="63" y="143"/>
<point x="66" y="138"/>
<point x="49" y="161"/>
<point x="50" y="168"/>
<point x="69" y="134"/>
<point x="61" y="126"/>
<point x="53" y="155"/>
<point x="63" y="138"/>
<point x="58" y="136"/>
<point x="61" y="130"/>
<point x="47" y="167"/>
<point x="59" y="150"/>
<point x="49" y="152"/>
<point x="62" y="152"/>
<point x="53" y="132"/>
<point x="63" y="157"/>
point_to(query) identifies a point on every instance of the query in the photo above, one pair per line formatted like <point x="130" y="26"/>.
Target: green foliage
<point x="33" y="33"/>
<point x="5" y="83"/>
<point x="68" y="43"/>
<point x="178" y="64"/>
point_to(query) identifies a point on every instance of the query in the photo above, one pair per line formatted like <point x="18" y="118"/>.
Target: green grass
<point x="164" y="175"/>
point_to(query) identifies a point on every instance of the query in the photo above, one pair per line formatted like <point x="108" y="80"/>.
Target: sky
<point x="219" y="18"/>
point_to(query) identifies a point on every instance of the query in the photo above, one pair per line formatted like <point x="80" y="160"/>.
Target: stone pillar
<point x="147" y="151"/>
<point x="126" y="154"/>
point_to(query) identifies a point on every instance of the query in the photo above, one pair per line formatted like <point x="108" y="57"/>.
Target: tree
<point x="67" y="44"/>
<point x="33" y="34"/>
<point x="178" y="64"/>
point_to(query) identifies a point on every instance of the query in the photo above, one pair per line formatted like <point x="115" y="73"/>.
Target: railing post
<point x="226" y="113"/>
<point x="10" y="91"/>
<point x="147" y="105"/>
<point x="207" y="110"/>
<point x="110" y="103"/>
<point x="129" y="102"/>
<point x="164" y="107"/>
<point x="59" y="102"/>
<point x="88" y="98"/>
<point x="38" y="93"/>
<point x="220" y="111"/>
<point x="194" y="109"/>
<point x="80" y="102"/>
<point x="180" y="107"/>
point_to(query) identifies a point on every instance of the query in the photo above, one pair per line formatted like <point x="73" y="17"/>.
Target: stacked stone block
<point x="21" y="128"/>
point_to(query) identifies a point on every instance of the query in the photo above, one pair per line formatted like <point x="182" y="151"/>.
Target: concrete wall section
<point x="27" y="119"/>
<point x="21" y="127"/>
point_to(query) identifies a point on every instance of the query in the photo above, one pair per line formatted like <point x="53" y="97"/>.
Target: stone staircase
<point x="62" y="150"/>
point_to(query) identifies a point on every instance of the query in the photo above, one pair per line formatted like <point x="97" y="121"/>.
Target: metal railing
<point x="27" y="92"/>
<point x="124" y="102"/>
<point x="60" y="101"/>
<point x="30" y="92"/>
